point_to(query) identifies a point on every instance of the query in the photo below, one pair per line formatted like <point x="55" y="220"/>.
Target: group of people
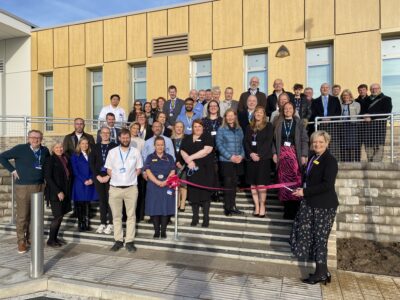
<point x="208" y="141"/>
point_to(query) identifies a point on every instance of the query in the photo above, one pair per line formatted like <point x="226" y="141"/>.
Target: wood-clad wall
<point x="224" y="30"/>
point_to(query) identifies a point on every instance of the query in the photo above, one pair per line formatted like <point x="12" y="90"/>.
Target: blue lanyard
<point x="126" y="157"/>
<point x="190" y="121"/>
<point x="311" y="163"/>
<point x="37" y="155"/>
<point x="104" y="152"/>
<point x="287" y="132"/>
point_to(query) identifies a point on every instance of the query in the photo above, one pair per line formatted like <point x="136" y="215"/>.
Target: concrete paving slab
<point x="216" y="290"/>
<point x="186" y="287"/>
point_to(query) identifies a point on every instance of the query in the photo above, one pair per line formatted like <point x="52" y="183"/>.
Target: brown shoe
<point x="28" y="242"/>
<point x="21" y="247"/>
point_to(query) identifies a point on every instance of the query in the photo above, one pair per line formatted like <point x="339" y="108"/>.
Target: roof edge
<point x="136" y="12"/>
<point x="11" y="15"/>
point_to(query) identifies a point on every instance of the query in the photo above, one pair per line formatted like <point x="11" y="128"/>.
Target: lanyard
<point x="190" y="121"/>
<point x="254" y="135"/>
<point x="141" y="132"/>
<point x="214" y="124"/>
<point x="311" y="163"/>
<point x="126" y="157"/>
<point x="104" y="152"/>
<point x="287" y="131"/>
<point x="37" y="155"/>
<point x="172" y="107"/>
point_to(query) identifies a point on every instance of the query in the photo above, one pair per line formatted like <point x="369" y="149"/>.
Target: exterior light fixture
<point x="282" y="52"/>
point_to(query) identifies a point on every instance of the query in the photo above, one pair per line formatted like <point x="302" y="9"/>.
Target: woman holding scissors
<point x="313" y="223"/>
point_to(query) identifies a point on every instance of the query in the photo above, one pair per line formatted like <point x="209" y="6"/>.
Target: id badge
<point x="213" y="132"/>
<point x="169" y="192"/>
<point x="171" y="114"/>
<point x="189" y="128"/>
<point x="122" y="170"/>
<point x="254" y="143"/>
<point x="304" y="185"/>
<point x="287" y="144"/>
<point x="38" y="167"/>
<point x="161" y="176"/>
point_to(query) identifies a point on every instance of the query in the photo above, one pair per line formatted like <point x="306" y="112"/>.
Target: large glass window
<point x="319" y="67"/>
<point x="201" y="74"/>
<point x="97" y="92"/>
<point x="139" y="83"/>
<point x="48" y="101"/>
<point x="256" y="65"/>
<point x="391" y="71"/>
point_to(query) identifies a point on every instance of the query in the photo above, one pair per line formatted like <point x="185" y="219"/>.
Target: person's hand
<point x="100" y="179"/>
<point x="60" y="196"/>
<point x="191" y="165"/>
<point x="163" y="183"/>
<point x="15" y="174"/>
<point x="275" y="158"/>
<point x="233" y="158"/>
<point x="239" y="159"/>
<point x="88" y="182"/>
<point x="145" y="176"/>
<point x="303" y="160"/>
<point x="254" y="156"/>
<point x="298" y="192"/>
<point x="179" y="165"/>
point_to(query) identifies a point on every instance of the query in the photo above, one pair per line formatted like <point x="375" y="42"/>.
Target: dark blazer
<point x="320" y="182"/>
<point x="57" y="181"/>
<point x="380" y="105"/>
<point x="261" y="100"/>
<point x="305" y="107"/>
<point x="96" y="159"/>
<point x="243" y="119"/>
<point x="149" y="133"/>
<point x="69" y="142"/>
<point x="272" y="100"/>
<point x="364" y="103"/>
<point x="175" y="112"/>
<point x="263" y="139"/>
<point x="317" y="107"/>
<point x="117" y="131"/>
<point x="167" y="132"/>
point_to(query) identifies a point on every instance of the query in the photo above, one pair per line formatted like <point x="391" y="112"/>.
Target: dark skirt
<point x="288" y="171"/>
<point x="60" y="208"/>
<point x="203" y="176"/>
<point x="258" y="172"/>
<point x="310" y="232"/>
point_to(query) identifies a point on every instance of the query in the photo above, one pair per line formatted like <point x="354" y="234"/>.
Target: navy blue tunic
<point x="159" y="202"/>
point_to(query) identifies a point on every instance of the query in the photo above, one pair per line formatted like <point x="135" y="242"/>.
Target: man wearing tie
<point x="114" y="132"/>
<point x="172" y="107"/>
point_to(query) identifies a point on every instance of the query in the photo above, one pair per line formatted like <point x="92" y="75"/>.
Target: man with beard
<point x="253" y="90"/>
<point x="123" y="164"/>
<point x="72" y="139"/>
<point x="189" y="116"/>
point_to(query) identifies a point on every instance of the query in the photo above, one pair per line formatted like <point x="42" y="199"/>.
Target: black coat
<point x="56" y="182"/>
<point x="317" y="107"/>
<point x="243" y="119"/>
<point x="264" y="142"/>
<point x="380" y="105"/>
<point x="320" y="182"/>
<point x="70" y="140"/>
<point x="96" y="159"/>
<point x="364" y="103"/>
<point x="117" y="131"/>
<point x="272" y="100"/>
<point x="261" y="100"/>
<point x="305" y="108"/>
<point x="167" y="132"/>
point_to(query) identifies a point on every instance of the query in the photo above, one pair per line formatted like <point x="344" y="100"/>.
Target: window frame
<point x="46" y="88"/>
<point x="133" y="81"/>
<point x="92" y="86"/>
<point x="193" y="69"/>
<point x="330" y="64"/>
<point x="246" y="69"/>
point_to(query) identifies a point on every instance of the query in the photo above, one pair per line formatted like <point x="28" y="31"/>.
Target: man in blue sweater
<point x="29" y="159"/>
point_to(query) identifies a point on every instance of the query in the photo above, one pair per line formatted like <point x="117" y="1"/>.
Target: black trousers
<point x="56" y="211"/>
<point x="142" y="185"/>
<point x="160" y="222"/>
<point x="230" y="173"/>
<point x="105" y="210"/>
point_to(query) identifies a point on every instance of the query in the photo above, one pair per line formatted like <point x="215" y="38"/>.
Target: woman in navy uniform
<point x="160" y="199"/>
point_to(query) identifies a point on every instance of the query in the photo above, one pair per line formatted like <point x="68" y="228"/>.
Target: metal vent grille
<point x="170" y="44"/>
<point x="1" y="65"/>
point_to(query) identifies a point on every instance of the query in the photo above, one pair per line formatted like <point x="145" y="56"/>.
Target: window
<point x="319" y="66"/>
<point x="48" y="101"/>
<point x="256" y="65"/>
<point x="97" y="92"/>
<point x="139" y="83"/>
<point x="391" y="71"/>
<point x="201" y="74"/>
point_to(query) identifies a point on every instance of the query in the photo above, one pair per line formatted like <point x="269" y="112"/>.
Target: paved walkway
<point x="180" y="276"/>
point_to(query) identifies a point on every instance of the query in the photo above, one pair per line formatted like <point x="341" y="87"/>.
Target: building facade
<point x="76" y="67"/>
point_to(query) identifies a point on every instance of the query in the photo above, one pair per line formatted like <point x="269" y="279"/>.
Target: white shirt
<point x="131" y="161"/>
<point x="137" y="143"/>
<point x="119" y="113"/>
<point x="79" y="135"/>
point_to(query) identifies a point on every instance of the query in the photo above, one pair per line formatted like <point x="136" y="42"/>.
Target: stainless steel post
<point x="176" y="212"/>
<point x="12" y="222"/>
<point x="37" y="255"/>
<point x="391" y="138"/>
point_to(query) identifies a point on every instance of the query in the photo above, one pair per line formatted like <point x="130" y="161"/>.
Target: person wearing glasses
<point x="71" y="140"/>
<point x="29" y="159"/>
<point x="137" y="108"/>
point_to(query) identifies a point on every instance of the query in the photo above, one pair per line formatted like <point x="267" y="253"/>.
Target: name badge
<point x="287" y="144"/>
<point x="38" y="167"/>
<point x="189" y="128"/>
<point x="122" y="170"/>
<point x="154" y="160"/>
<point x="304" y="185"/>
<point x="316" y="162"/>
<point x="213" y="132"/>
<point x="171" y="114"/>
<point x="161" y="176"/>
<point x="198" y="140"/>
<point x="254" y="143"/>
<point x="177" y="149"/>
<point x="169" y="192"/>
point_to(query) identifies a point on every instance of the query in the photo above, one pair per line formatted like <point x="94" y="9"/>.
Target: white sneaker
<point x="101" y="228"/>
<point x="109" y="229"/>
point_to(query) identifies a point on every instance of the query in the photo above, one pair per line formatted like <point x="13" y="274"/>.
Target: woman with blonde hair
<point x="258" y="147"/>
<point x="177" y="138"/>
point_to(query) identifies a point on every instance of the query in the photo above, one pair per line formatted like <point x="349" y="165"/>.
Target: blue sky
<point x="45" y="13"/>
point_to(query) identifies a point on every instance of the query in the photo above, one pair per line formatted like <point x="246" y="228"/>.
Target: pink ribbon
<point x="174" y="181"/>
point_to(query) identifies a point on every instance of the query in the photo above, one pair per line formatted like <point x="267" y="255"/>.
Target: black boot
<point x="79" y="214"/>
<point x="195" y="218"/>
<point x="164" y="223"/>
<point x="87" y="215"/>
<point x="156" y="224"/>
<point x="321" y="275"/>
<point x="206" y="213"/>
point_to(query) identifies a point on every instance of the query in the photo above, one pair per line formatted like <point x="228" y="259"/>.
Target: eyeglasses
<point x="138" y="104"/>
<point x="34" y="137"/>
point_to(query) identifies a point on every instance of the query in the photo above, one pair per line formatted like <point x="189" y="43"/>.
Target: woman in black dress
<point x="258" y="148"/>
<point x="57" y="173"/>
<point x="197" y="152"/>
<point x="313" y="222"/>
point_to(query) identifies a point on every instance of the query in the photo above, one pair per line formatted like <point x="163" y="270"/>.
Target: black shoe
<point x="118" y="245"/>
<point x="227" y="213"/>
<point x="163" y="235"/>
<point x="156" y="235"/>
<point x="328" y="276"/>
<point x="314" y="279"/>
<point x="236" y="211"/>
<point x="205" y="224"/>
<point x="130" y="247"/>
<point x="182" y="210"/>
<point x="82" y="227"/>
<point x="53" y="244"/>
<point x="61" y="241"/>
<point x="194" y="223"/>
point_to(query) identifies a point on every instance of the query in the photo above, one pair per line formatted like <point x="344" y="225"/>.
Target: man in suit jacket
<point x="114" y="132"/>
<point x="325" y="105"/>
<point x="228" y="103"/>
<point x="272" y="100"/>
<point x="253" y="90"/>
<point x="71" y="140"/>
<point x="172" y="107"/>
<point x="303" y="107"/>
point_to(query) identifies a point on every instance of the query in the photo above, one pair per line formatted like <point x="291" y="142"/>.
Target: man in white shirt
<point x="119" y="112"/>
<point x="228" y="103"/>
<point x="123" y="164"/>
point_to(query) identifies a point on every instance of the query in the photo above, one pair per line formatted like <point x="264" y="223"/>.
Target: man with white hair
<point x="272" y="100"/>
<point x="228" y="102"/>
<point x="253" y="90"/>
